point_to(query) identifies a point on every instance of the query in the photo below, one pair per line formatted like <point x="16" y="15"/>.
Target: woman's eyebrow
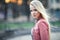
<point x="35" y="9"/>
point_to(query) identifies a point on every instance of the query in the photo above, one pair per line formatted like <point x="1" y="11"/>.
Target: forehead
<point x="32" y="7"/>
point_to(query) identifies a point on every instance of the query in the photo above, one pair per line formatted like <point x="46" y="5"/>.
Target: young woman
<point x="41" y="29"/>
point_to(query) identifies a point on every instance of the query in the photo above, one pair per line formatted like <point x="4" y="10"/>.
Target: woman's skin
<point x="35" y="14"/>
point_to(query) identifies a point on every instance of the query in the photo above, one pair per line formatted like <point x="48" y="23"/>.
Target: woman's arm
<point x="43" y="30"/>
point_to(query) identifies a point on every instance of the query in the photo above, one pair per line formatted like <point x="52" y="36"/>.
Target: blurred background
<point x="16" y="21"/>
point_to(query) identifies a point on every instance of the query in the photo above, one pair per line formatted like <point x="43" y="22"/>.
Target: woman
<point x="41" y="29"/>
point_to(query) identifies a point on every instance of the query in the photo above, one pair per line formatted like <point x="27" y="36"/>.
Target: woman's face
<point x="35" y="14"/>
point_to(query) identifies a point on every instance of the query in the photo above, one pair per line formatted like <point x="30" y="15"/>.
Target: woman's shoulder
<point x="42" y="21"/>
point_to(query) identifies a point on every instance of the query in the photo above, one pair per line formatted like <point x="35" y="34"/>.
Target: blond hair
<point x="39" y="6"/>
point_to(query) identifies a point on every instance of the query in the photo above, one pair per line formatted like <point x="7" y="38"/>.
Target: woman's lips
<point x="34" y="15"/>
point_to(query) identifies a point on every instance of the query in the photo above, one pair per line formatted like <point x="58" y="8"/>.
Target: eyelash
<point x="34" y="10"/>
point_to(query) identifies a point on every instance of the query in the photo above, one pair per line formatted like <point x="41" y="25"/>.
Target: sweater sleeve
<point x="44" y="31"/>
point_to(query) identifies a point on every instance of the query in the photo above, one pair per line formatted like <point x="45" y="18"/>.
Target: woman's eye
<point x="35" y="10"/>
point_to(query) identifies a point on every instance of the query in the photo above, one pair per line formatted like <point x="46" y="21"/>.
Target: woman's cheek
<point x="32" y="14"/>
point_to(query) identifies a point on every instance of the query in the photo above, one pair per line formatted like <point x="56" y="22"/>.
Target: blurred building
<point x="14" y="8"/>
<point x="54" y="4"/>
<point x="54" y="7"/>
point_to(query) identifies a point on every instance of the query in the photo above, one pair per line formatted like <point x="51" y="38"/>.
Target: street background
<point x="16" y="21"/>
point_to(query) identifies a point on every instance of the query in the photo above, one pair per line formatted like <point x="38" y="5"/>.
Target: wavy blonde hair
<point x="39" y="6"/>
